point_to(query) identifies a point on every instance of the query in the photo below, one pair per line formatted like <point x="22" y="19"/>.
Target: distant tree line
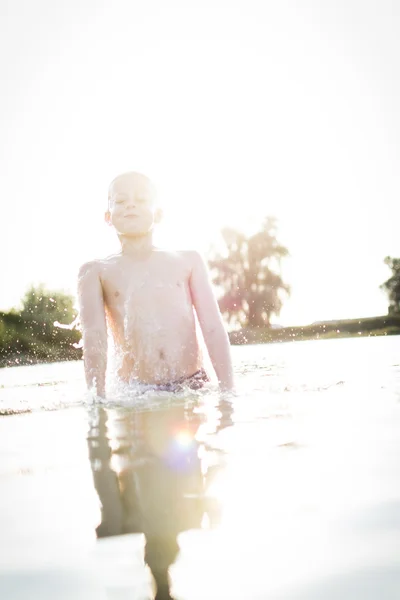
<point x="247" y="273"/>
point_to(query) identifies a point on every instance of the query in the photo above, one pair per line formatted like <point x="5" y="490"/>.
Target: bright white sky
<point x="236" y="109"/>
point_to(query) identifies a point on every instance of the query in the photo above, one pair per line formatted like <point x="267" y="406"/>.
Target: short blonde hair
<point x="134" y="174"/>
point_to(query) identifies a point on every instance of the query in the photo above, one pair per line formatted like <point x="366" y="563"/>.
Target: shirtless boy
<point x="147" y="297"/>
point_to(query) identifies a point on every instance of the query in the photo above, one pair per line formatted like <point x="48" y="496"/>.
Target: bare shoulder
<point x="89" y="268"/>
<point x="192" y="258"/>
<point x="97" y="267"/>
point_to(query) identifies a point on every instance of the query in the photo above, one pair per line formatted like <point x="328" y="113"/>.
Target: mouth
<point x="130" y="216"/>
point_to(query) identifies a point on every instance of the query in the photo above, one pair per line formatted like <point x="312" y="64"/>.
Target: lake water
<point x="291" y="490"/>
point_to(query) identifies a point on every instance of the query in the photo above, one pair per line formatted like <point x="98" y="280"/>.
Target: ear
<point x="107" y="217"/>
<point x="158" y="215"/>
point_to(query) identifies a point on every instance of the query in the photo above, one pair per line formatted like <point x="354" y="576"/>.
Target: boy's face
<point x="132" y="208"/>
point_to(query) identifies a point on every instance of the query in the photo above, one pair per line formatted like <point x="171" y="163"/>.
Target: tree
<point x="392" y="285"/>
<point x="31" y="334"/>
<point x="42" y="308"/>
<point x="48" y="317"/>
<point x="248" y="274"/>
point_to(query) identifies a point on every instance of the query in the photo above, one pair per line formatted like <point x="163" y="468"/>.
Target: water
<point x="288" y="491"/>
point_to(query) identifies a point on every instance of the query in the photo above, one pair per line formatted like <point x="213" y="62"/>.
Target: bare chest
<point x="129" y="289"/>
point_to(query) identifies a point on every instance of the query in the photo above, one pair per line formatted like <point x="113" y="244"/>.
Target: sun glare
<point x="184" y="438"/>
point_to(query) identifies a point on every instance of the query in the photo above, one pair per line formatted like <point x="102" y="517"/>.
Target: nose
<point x="131" y="202"/>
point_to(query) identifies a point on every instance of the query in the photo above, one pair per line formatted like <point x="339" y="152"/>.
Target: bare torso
<point x="150" y="315"/>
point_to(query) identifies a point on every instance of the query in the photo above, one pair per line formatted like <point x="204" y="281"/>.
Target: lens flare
<point x="184" y="438"/>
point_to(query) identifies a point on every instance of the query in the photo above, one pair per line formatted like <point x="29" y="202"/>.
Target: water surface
<point x="289" y="490"/>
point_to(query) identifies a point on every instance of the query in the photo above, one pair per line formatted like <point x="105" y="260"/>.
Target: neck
<point x="136" y="246"/>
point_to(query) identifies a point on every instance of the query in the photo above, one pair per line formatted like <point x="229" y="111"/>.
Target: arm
<point x="211" y="324"/>
<point x="94" y="328"/>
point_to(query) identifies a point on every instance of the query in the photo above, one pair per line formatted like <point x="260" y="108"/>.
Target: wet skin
<point x="150" y="314"/>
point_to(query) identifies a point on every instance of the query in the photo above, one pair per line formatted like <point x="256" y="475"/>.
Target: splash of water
<point x="76" y="324"/>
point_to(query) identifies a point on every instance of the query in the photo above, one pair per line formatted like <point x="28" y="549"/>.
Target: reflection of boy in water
<point x="151" y="482"/>
<point x="148" y="296"/>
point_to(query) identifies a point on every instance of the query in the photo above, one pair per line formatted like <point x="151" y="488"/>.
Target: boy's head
<point x="132" y="206"/>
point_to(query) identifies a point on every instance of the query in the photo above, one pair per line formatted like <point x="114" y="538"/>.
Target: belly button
<point x="116" y="294"/>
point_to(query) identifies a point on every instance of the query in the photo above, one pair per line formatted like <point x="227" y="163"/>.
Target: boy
<point x="147" y="296"/>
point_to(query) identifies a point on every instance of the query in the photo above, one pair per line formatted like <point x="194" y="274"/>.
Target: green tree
<point x="30" y="334"/>
<point x="248" y="274"/>
<point x="392" y="285"/>
<point x="41" y="308"/>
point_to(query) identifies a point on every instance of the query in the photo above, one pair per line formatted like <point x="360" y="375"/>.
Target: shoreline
<point x="323" y="330"/>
